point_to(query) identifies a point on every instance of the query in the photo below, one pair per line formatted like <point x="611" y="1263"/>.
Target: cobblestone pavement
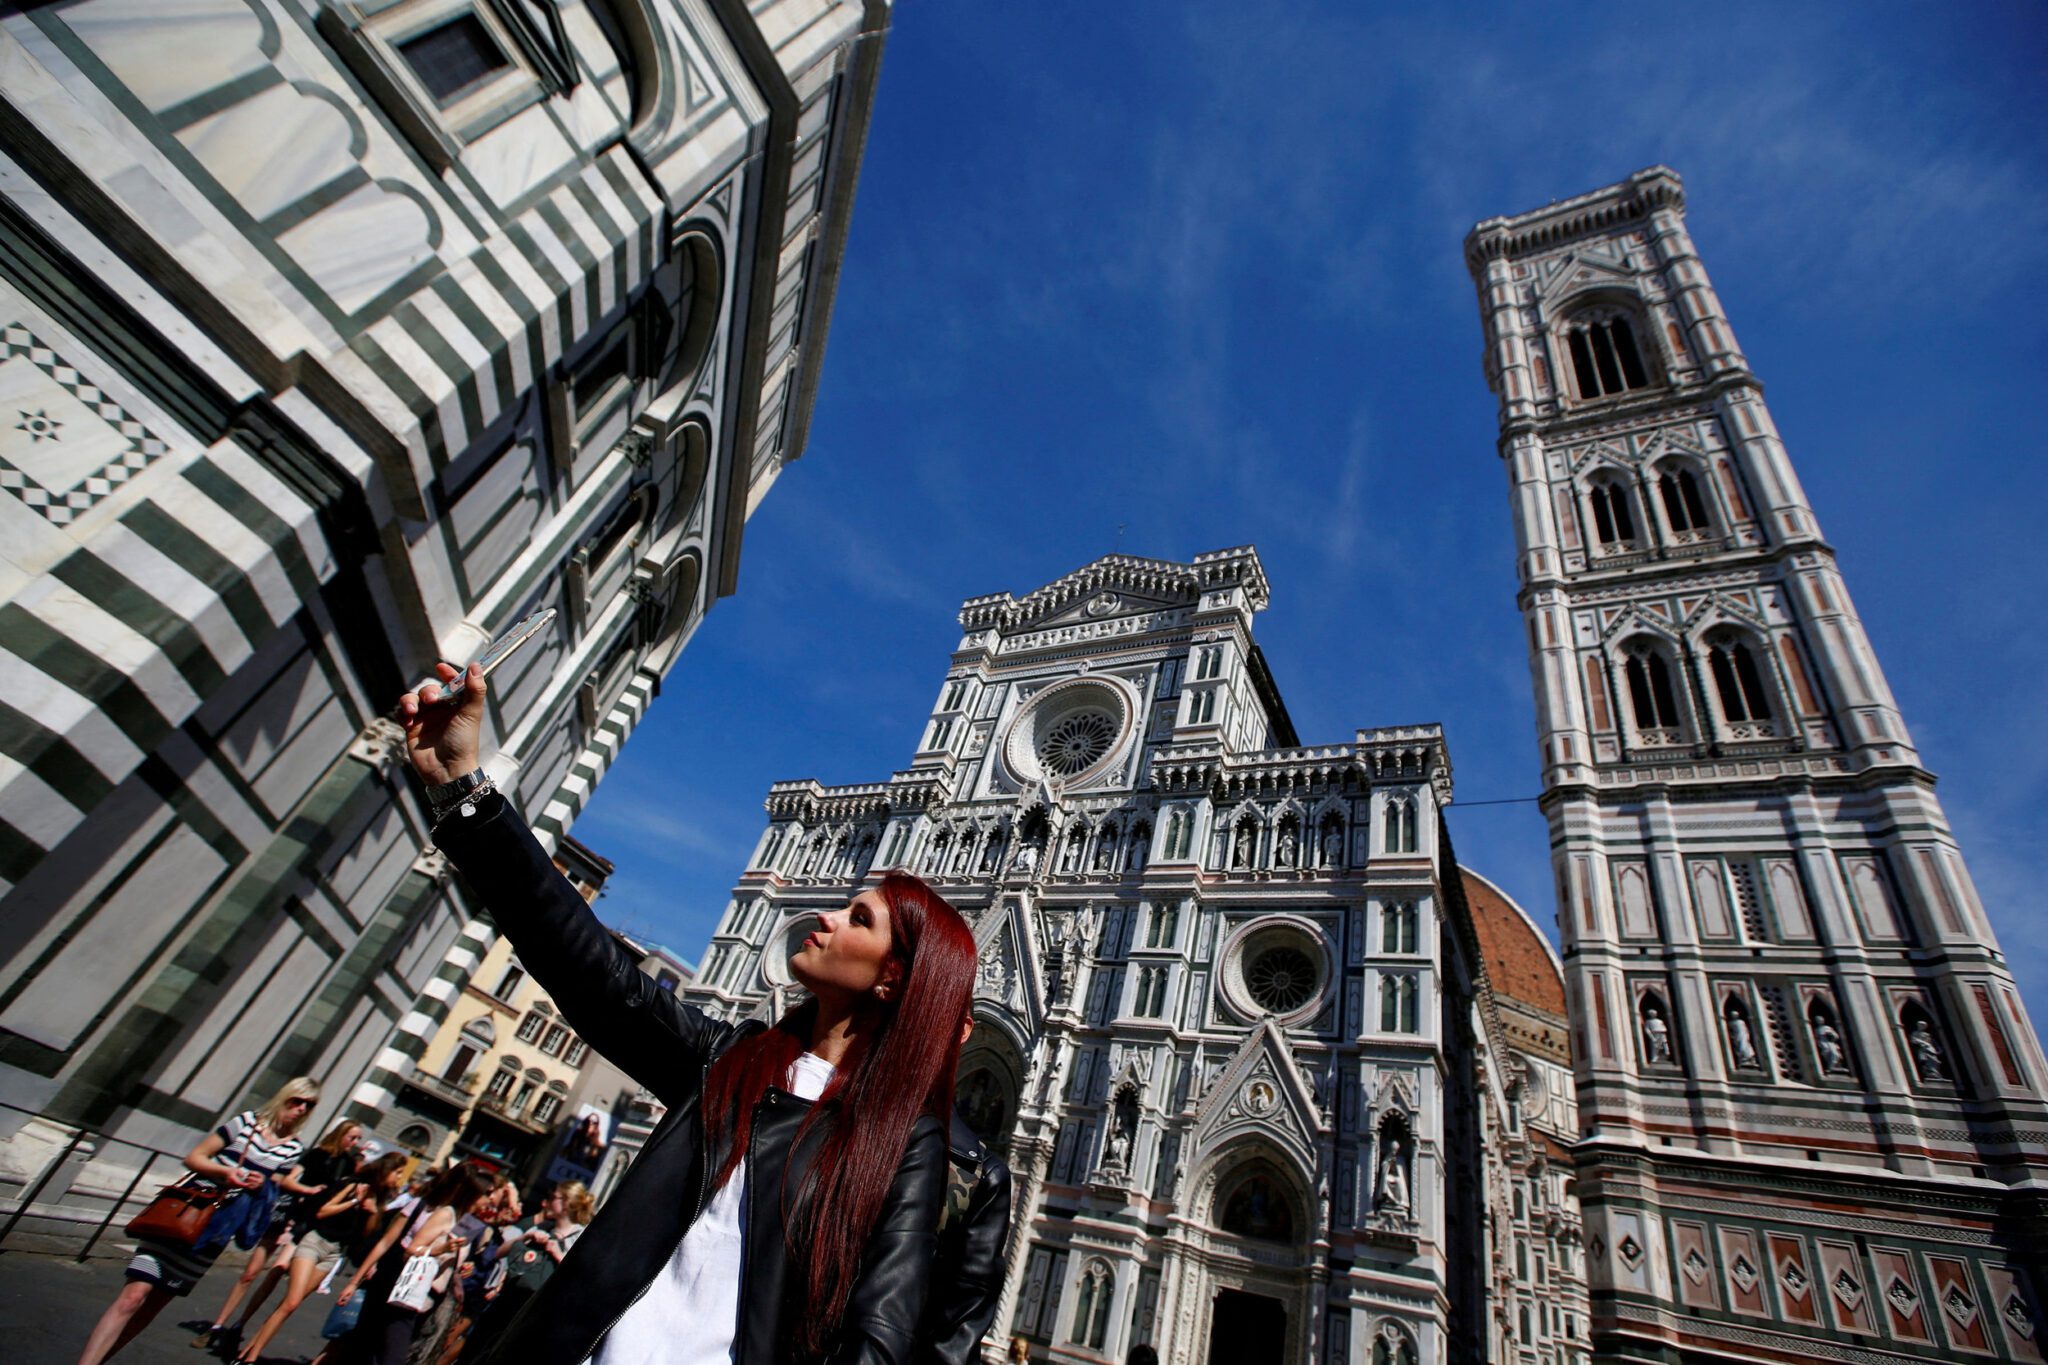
<point x="49" y="1303"/>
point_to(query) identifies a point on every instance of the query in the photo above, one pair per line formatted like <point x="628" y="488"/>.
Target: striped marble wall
<point x="314" y="369"/>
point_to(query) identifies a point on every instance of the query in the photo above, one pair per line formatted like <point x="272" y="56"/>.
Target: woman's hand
<point x="443" y="740"/>
<point x="348" y="1291"/>
<point x="241" y="1179"/>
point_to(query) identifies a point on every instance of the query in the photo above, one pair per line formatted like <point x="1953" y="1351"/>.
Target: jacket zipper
<point x="703" y="1176"/>
<point x="739" y="1326"/>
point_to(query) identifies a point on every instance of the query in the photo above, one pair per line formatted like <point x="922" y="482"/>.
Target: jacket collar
<point x="963" y="1144"/>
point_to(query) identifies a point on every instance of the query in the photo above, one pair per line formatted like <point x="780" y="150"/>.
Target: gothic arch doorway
<point x="1247" y="1329"/>
<point x="991" y="1079"/>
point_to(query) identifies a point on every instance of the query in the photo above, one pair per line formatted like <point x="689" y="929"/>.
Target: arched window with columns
<point x="1739" y="689"/>
<point x="1611" y="508"/>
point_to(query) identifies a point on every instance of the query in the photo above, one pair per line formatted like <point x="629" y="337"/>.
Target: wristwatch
<point x="444" y="797"/>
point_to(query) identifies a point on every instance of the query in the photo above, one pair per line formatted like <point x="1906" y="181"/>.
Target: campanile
<point x="1811" y="1105"/>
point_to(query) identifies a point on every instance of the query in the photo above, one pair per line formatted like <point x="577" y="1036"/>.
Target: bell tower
<point x="1811" y="1102"/>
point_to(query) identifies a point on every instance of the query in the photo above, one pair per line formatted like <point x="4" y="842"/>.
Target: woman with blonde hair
<point x="256" y="1155"/>
<point x="331" y="1161"/>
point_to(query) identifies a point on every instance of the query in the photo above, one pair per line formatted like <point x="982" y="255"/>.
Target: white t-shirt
<point x="691" y="1311"/>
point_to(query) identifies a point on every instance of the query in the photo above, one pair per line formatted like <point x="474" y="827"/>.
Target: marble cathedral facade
<point x="1278" y="1079"/>
<point x="1811" y="1103"/>
<point x="337" y="335"/>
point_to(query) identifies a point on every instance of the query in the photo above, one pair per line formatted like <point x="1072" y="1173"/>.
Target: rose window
<point x="1076" y="742"/>
<point x="1281" y="979"/>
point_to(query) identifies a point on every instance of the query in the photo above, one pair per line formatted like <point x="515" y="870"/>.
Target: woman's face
<point x="851" y="952"/>
<point x="352" y="1139"/>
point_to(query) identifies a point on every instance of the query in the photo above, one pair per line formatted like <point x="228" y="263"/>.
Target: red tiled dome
<point x="1519" y="963"/>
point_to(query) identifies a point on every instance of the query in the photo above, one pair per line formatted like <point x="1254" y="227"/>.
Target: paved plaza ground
<point x="49" y="1303"/>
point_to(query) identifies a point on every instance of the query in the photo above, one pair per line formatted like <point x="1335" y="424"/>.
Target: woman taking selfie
<point x="785" y="1208"/>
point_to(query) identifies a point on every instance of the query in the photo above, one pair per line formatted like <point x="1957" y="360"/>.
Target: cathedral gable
<point x="1260" y="1091"/>
<point x="1009" y="975"/>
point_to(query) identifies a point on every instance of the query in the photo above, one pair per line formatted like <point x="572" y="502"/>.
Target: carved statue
<point x="964" y="853"/>
<point x="1741" y="1043"/>
<point x="1027" y="857"/>
<point x="1241" y="849"/>
<point x="993" y="978"/>
<point x="1123" y="1131"/>
<point x="1827" y="1041"/>
<point x="1927" y="1058"/>
<point x="1284" y="856"/>
<point x="1333" y="846"/>
<point x="1393" y="1193"/>
<point x="1656" y="1036"/>
<point x="1071" y="859"/>
<point x="1105" y="850"/>
<point x="991" y="853"/>
<point x="1081" y="928"/>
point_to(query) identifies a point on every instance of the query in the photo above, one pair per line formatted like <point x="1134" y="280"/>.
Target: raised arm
<point x="880" y="1323"/>
<point x="596" y="983"/>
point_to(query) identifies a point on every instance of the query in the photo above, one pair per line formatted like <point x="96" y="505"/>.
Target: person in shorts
<point x="247" y="1152"/>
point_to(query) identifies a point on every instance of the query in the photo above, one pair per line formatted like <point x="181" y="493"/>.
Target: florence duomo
<point x="1279" y="1079"/>
<point x="1084" y="896"/>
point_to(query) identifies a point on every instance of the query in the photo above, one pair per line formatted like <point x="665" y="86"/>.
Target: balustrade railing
<point x="63" y="1186"/>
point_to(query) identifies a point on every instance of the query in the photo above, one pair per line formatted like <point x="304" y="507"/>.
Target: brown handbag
<point x="179" y="1214"/>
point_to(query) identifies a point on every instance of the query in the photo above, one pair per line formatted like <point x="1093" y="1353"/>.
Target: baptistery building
<point x="335" y="336"/>
<point x="1278" y="1079"/>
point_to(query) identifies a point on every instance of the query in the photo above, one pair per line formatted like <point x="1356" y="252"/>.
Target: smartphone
<point x="499" y="650"/>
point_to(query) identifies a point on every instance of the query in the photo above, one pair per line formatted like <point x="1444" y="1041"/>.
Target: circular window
<point x="1276" y="966"/>
<point x="1281" y="978"/>
<point x="1076" y="742"/>
<point x="1072" y="732"/>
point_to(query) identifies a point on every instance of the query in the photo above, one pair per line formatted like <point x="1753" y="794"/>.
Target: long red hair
<point x="900" y="1066"/>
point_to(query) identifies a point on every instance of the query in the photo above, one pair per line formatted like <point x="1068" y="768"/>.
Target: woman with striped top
<point x="249" y="1151"/>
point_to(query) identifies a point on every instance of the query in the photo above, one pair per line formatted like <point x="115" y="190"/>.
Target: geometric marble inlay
<point x="1959" y="1306"/>
<point x="1848" y="1290"/>
<point x="64" y="444"/>
<point x="2017" y="1318"/>
<point x="1597" y="1247"/>
<point x="1695" y="1266"/>
<point x="1630" y="1251"/>
<point x="1744" y="1273"/>
<point x="1902" y="1297"/>
<point x="1793" y="1278"/>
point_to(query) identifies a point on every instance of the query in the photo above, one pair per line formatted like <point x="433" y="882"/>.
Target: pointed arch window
<point x="1650" y="692"/>
<point x="1737" y="681"/>
<point x="1399" y="1011"/>
<point x="1399" y="835"/>
<point x="1397" y="927"/>
<point x="1091" y="1312"/>
<point x="1614" y="522"/>
<point x="1685" y="507"/>
<point x="1605" y="358"/>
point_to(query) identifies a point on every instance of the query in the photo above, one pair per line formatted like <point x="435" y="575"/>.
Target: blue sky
<point x="1168" y="278"/>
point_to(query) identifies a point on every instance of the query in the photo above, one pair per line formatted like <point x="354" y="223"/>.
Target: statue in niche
<point x="991" y="853"/>
<point x="1284" y="855"/>
<point x="1081" y="929"/>
<point x="1927" y="1058"/>
<point x="1741" y="1042"/>
<point x="1656" y="1035"/>
<point x="1140" y="838"/>
<point x="1393" y="1190"/>
<point x="1323" y="1203"/>
<point x="1071" y="860"/>
<point x="964" y="855"/>
<point x="1105" y="850"/>
<point x="1827" y="1041"/>
<point x="1123" y="1130"/>
<point x="1027" y="856"/>
<point x="1241" y="848"/>
<point x="1333" y="845"/>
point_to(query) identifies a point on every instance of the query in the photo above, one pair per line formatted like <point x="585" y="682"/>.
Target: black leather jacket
<point x="974" y="1233"/>
<point x="668" y="1047"/>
